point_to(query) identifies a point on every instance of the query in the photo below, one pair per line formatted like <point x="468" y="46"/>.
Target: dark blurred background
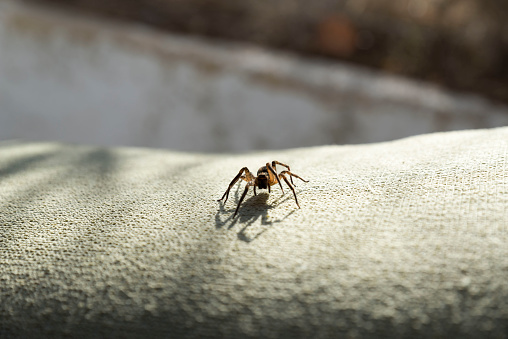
<point x="457" y="44"/>
<point x="235" y="76"/>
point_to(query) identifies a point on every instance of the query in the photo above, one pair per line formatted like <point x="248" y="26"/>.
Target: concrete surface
<point x="68" y="77"/>
<point x="398" y="239"/>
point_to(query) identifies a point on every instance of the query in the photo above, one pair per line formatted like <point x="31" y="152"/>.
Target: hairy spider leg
<point x="290" y="186"/>
<point x="275" y="162"/>
<point x="247" y="177"/>
<point x="243" y="196"/>
<point x="283" y="176"/>
<point x="273" y="174"/>
<point x="294" y="175"/>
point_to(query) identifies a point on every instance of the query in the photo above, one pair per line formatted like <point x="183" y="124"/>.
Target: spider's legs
<point x="254" y="190"/>
<point x="294" y="175"/>
<point x="247" y="177"/>
<point x="275" y="162"/>
<point x="290" y="186"/>
<point x="243" y="196"/>
<point x="271" y="172"/>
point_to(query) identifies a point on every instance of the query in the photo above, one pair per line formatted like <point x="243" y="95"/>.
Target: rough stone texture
<point x="398" y="239"/>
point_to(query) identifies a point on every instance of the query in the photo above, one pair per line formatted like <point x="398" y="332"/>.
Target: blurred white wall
<point x="72" y="78"/>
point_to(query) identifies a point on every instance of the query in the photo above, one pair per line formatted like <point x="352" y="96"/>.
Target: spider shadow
<point x="252" y="209"/>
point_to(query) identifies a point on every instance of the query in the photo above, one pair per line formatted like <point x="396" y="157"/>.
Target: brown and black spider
<point x="267" y="176"/>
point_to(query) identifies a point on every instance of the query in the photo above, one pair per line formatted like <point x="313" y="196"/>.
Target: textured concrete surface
<point x="76" y="79"/>
<point x="406" y="238"/>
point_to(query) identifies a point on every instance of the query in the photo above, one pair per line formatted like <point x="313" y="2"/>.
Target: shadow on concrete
<point x="253" y="214"/>
<point x="22" y="164"/>
<point x="42" y="176"/>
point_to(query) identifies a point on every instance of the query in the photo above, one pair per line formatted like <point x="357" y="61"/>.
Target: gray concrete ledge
<point x="404" y="239"/>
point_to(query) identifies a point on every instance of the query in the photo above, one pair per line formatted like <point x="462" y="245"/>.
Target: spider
<point x="266" y="177"/>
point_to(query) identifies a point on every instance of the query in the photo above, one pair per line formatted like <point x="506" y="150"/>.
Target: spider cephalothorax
<point x="266" y="177"/>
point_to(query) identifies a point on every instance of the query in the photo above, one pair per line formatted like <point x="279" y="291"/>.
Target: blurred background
<point x="232" y="76"/>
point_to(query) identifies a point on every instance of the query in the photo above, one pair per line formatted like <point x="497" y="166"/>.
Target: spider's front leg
<point x="247" y="177"/>
<point x="282" y="175"/>
<point x="293" y="175"/>
<point x="273" y="175"/>
<point x="243" y="196"/>
<point x="275" y="163"/>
